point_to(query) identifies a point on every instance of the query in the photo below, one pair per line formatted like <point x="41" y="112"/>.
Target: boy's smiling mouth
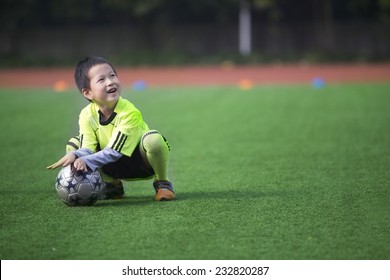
<point x="112" y="90"/>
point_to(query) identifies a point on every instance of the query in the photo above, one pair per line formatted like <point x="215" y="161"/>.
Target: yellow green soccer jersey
<point x="121" y="132"/>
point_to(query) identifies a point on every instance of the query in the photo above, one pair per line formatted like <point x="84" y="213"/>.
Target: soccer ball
<point x="76" y="188"/>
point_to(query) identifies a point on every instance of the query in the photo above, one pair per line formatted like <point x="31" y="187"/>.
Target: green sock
<point x="157" y="153"/>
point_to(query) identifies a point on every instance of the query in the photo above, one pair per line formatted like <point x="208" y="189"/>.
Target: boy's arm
<point x="87" y="126"/>
<point x="101" y="158"/>
<point x="128" y="133"/>
<point x="82" y="152"/>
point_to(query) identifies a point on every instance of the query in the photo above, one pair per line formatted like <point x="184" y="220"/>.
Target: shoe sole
<point x="164" y="195"/>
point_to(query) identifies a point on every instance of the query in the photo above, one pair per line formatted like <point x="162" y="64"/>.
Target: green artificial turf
<point x="276" y="172"/>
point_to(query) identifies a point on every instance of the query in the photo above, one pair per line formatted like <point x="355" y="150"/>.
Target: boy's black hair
<point x="82" y="69"/>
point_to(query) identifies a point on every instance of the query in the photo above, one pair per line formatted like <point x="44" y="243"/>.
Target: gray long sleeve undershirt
<point x="98" y="159"/>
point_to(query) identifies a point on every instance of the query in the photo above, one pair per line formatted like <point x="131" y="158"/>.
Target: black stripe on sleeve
<point x="116" y="140"/>
<point x="72" y="145"/>
<point x="117" y="147"/>
<point x="123" y="143"/>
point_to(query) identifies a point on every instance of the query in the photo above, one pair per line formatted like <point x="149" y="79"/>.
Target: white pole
<point x="244" y="28"/>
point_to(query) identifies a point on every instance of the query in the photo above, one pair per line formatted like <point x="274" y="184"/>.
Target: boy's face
<point x="104" y="86"/>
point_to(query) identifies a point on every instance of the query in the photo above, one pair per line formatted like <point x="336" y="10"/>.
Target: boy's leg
<point x="73" y="144"/>
<point x="155" y="151"/>
<point x="113" y="188"/>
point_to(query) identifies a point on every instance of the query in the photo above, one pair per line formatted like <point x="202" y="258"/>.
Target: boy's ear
<point x="86" y="93"/>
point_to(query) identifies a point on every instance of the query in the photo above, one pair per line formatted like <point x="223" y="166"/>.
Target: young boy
<point x="113" y="136"/>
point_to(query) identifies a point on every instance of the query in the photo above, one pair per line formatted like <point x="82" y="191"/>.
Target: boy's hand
<point x="80" y="165"/>
<point x="69" y="158"/>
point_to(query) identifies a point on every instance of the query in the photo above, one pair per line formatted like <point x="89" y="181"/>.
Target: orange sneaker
<point x="164" y="190"/>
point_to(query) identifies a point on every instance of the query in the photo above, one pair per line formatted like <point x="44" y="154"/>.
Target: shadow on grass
<point x="236" y="194"/>
<point x="196" y="196"/>
<point x="128" y="200"/>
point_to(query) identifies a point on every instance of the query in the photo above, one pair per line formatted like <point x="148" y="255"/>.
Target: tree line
<point x="37" y="13"/>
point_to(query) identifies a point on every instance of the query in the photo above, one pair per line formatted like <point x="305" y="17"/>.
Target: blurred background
<point x="180" y="32"/>
<point x="282" y="153"/>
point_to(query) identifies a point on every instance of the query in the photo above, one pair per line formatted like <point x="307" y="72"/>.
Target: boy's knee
<point x="154" y="142"/>
<point x="73" y="144"/>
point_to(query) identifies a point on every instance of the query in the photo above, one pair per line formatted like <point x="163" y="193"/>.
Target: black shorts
<point x="126" y="167"/>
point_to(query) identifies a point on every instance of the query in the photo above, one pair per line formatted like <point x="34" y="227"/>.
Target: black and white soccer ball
<point x="77" y="188"/>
